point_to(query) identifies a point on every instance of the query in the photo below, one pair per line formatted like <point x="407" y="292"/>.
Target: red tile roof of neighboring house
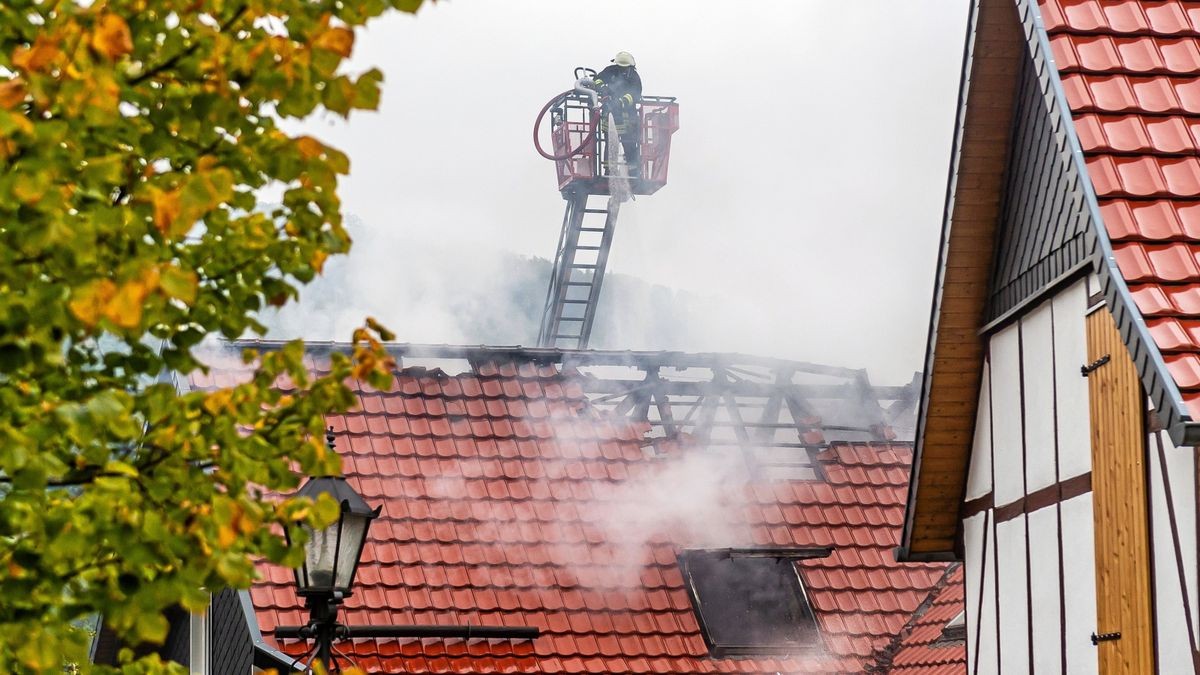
<point x="508" y="500"/>
<point x="1131" y="74"/>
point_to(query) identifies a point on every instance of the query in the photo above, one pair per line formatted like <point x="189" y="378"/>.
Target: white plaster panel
<point x="1043" y="590"/>
<point x="1173" y="637"/>
<point x="1079" y="583"/>
<point x="1008" y="471"/>
<point x="979" y="478"/>
<point x="1037" y="357"/>
<point x="1012" y="594"/>
<point x="1070" y="353"/>
<point x="979" y="576"/>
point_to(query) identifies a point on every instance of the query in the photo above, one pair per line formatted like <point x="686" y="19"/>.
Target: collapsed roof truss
<point x="776" y="412"/>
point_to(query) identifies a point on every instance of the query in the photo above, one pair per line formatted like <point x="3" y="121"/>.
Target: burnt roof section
<point x="775" y="412"/>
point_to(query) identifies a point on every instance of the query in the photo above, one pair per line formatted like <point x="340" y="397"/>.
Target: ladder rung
<point x="575" y="302"/>
<point x="587" y="248"/>
<point x="581" y="267"/>
<point x="566" y="337"/>
<point x="579" y="283"/>
<point x="592" y="229"/>
<point x="595" y="210"/>
<point x="567" y="318"/>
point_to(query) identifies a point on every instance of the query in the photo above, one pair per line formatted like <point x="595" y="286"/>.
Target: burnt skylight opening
<point x="751" y="601"/>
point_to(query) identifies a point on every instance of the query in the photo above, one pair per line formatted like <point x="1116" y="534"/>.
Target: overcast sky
<point x="807" y="179"/>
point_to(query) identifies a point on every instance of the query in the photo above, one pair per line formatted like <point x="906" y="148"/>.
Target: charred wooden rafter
<point x="776" y="412"/>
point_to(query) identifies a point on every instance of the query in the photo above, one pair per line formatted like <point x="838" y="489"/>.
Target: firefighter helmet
<point x="624" y="59"/>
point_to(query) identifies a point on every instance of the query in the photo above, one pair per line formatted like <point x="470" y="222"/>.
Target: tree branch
<point x="172" y="61"/>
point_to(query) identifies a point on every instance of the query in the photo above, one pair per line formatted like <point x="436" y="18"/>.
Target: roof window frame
<point x="718" y="648"/>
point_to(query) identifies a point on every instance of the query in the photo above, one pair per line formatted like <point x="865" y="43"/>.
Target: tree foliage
<point x="134" y="135"/>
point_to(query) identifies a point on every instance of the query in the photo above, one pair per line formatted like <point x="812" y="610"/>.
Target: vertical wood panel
<point x="1119" y="499"/>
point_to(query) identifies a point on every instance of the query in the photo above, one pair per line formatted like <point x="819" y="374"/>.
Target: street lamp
<point x="331" y="558"/>
<point x="327" y="576"/>
<point x="331" y="554"/>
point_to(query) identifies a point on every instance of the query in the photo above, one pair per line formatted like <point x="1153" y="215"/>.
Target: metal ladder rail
<point x="548" y="326"/>
<point x="572" y="329"/>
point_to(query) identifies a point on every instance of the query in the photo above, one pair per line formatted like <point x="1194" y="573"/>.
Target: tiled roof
<point x="508" y="500"/>
<point x="1131" y="74"/>
<point x="923" y="648"/>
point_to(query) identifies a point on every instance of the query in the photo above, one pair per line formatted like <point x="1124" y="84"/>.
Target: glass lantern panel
<point x="319" y="556"/>
<point x="354" y="531"/>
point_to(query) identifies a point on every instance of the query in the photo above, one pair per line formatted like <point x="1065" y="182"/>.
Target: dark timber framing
<point x="1176" y="548"/>
<point x="1030" y="501"/>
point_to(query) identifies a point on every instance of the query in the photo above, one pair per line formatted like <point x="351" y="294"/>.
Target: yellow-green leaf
<point x="179" y="284"/>
<point x="166" y="209"/>
<point x="88" y="302"/>
<point x="44" y="52"/>
<point x="121" y="468"/>
<point x="111" y="37"/>
<point x="337" y="40"/>
<point x="12" y="93"/>
<point x="125" y="307"/>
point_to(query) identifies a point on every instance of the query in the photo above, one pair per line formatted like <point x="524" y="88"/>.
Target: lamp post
<point x="331" y="558"/>
<point x="327" y="576"/>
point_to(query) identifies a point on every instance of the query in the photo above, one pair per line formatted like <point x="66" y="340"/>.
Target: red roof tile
<point x="574" y="534"/>
<point x="922" y="647"/>
<point x="1129" y="70"/>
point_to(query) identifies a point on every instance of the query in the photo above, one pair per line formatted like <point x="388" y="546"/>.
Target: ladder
<point x="578" y="273"/>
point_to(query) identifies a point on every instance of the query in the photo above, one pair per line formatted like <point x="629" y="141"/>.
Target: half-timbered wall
<point x="1172" y="486"/>
<point x="1027" y="518"/>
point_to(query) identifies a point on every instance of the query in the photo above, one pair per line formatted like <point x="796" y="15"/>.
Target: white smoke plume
<point x="431" y="290"/>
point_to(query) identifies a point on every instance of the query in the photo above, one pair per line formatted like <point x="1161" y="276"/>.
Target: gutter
<point x="265" y="655"/>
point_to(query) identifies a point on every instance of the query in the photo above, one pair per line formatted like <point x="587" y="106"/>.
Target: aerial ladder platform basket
<point x="594" y="180"/>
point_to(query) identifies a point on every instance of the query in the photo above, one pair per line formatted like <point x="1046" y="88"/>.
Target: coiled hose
<point x="537" y="142"/>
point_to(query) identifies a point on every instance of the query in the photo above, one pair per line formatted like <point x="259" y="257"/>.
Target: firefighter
<point x="620" y="89"/>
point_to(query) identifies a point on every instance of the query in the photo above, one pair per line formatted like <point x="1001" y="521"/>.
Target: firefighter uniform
<point x="622" y="88"/>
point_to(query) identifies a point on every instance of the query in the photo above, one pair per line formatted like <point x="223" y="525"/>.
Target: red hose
<point x="537" y="143"/>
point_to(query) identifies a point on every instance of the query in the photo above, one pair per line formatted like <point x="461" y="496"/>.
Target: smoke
<point x="424" y="289"/>
<point x="693" y="496"/>
<point x="438" y="291"/>
<point x="428" y="290"/>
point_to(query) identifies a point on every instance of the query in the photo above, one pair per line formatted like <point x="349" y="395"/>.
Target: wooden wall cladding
<point x="1119" y="493"/>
